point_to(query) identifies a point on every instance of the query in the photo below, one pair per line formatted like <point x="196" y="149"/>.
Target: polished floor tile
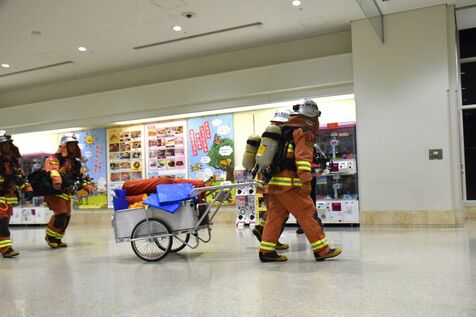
<point x="382" y="272"/>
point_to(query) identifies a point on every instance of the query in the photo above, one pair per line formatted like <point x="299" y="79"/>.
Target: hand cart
<point x="153" y="232"/>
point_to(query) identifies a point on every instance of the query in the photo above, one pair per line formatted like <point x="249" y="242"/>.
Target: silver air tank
<point x="249" y="157"/>
<point x="268" y="147"/>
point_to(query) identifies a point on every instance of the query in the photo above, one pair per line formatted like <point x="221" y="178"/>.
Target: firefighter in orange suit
<point x="66" y="174"/>
<point x="289" y="188"/>
<point x="11" y="179"/>
<point x="280" y="117"/>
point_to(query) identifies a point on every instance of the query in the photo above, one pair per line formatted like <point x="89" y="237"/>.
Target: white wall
<point x="33" y="143"/>
<point x="322" y="76"/>
<point x="403" y="110"/>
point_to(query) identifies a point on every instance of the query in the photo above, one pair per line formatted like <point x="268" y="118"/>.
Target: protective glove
<point x="305" y="190"/>
<point x="28" y="196"/>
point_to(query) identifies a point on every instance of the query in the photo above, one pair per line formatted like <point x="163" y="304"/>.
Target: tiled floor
<point x="382" y="272"/>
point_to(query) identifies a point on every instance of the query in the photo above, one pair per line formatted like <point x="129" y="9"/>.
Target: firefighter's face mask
<point x="316" y="126"/>
<point x="73" y="149"/>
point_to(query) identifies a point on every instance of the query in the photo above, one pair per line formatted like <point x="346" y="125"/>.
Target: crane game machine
<point x="337" y="187"/>
<point x="35" y="212"/>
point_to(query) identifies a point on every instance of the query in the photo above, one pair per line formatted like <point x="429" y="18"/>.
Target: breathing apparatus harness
<point x="280" y="162"/>
<point x="14" y="178"/>
<point x="42" y="184"/>
<point x="72" y="180"/>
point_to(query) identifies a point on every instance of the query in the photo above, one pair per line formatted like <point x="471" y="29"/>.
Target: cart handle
<point x="199" y="190"/>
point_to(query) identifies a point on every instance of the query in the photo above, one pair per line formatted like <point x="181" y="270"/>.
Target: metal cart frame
<point x="153" y="233"/>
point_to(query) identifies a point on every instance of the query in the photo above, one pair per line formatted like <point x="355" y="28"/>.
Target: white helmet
<point x="281" y="115"/>
<point x="308" y="108"/>
<point x="4" y="137"/>
<point x="68" y="137"/>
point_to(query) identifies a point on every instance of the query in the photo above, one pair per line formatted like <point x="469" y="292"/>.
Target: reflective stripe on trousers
<point x="5" y="243"/>
<point x="268" y="246"/>
<point x="285" y="181"/>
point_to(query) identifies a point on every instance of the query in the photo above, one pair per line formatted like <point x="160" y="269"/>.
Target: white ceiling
<point x="110" y="29"/>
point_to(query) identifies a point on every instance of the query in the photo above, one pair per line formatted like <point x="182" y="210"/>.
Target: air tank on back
<point x="268" y="147"/>
<point x="249" y="157"/>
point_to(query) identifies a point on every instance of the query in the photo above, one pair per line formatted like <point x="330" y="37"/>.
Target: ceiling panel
<point x="110" y="29"/>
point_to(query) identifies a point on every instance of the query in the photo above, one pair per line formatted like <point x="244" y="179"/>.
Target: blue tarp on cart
<point x="170" y="193"/>
<point x="169" y="197"/>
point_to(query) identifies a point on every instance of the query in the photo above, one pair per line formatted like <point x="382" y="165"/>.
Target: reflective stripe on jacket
<point x="302" y="153"/>
<point x="9" y="195"/>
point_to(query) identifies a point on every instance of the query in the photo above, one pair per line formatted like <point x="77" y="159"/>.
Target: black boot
<point x="52" y="242"/>
<point x="10" y="253"/>
<point x="282" y="246"/>
<point x="258" y="232"/>
<point x="62" y="244"/>
<point x="299" y="229"/>
<point x="272" y="257"/>
<point x="331" y="254"/>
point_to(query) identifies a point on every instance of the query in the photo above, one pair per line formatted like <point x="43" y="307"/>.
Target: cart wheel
<point x="156" y="247"/>
<point x="178" y="245"/>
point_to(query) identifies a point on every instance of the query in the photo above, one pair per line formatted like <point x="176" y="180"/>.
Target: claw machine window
<point x="34" y="212"/>
<point x="337" y="186"/>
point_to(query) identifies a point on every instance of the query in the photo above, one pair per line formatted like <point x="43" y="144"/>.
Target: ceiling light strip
<point x="200" y="35"/>
<point x="37" y="68"/>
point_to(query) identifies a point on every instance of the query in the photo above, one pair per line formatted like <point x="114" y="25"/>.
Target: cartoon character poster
<point x="210" y="146"/>
<point x="93" y="147"/>
<point x="210" y="149"/>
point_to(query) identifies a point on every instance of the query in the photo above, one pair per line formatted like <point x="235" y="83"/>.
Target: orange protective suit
<point x="59" y="165"/>
<point x="8" y="197"/>
<point x="288" y="190"/>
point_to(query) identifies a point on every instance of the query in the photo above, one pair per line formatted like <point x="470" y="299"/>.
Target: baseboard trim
<point x="470" y="213"/>
<point x="446" y="218"/>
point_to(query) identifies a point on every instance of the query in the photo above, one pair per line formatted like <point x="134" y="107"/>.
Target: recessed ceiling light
<point x="177" y="28"/>
<point x="296" y="3"/>
<point x="82" y="49"/>
<point x="5" y="65"/>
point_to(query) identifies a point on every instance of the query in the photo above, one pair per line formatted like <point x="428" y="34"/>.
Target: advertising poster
<point x="125" y="156"/>
<point x="166" y="150"/>
<point x="210" y="149"/>
<point x="93" y="147"/>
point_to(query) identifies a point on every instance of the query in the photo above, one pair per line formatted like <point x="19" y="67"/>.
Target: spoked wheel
<point x="178" y="245"/>
<point x="151" y="246"/>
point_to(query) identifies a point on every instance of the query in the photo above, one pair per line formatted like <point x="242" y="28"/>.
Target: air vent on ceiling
<point x="201" y="35"/>
<point x="37" y="68"/>
<point x="169" y="4"/>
